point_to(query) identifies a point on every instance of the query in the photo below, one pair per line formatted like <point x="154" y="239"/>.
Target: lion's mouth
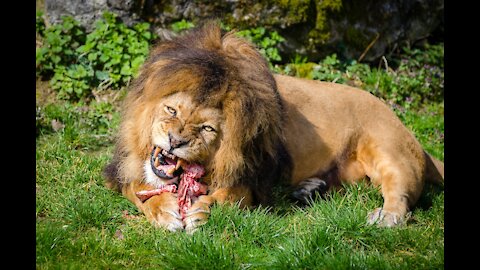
<point x="164" y="164"/>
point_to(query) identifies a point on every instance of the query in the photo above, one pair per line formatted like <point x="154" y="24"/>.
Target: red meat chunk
<point x="189" y="188"/>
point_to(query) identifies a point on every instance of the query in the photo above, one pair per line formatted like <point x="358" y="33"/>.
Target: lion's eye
<point x="170" y="110"/>
<point x="208" y="128"/>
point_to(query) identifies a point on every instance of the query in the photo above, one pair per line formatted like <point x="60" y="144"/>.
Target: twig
<point x="368" y="47"/>
<point x="386" y="63"/>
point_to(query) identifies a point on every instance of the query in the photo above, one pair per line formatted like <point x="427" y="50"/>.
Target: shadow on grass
<point x="283" y="203"/>
<point x="430" y="192"/>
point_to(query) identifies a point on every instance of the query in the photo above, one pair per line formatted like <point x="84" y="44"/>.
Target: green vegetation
<point x="109" y="56"/>
<point x="414" y="78"/>
<point x="181" y="26"/>
<point x="266" y="42"/>
<point x="80" y="224"/>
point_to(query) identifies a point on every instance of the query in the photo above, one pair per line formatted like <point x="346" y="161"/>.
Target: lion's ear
<point x="210" y="35"/>
<point x="239" y="48"/>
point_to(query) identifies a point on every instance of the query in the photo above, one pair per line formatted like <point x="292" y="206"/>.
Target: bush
<point x="181" y="26"/>
<point x="77" y="62"/>
<point x="417" y="77"/>
<point x="329" y="69"/>
<point x="110" y="56"/>
<point x="115" y="51"/>
<point x="60" y="42"/>
<point x="39" y="23"/>
<point x="267" y="43"/>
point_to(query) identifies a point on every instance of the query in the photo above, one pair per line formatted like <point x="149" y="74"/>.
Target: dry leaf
<point x="119" y="234"/>
<point x="57" y="125"/>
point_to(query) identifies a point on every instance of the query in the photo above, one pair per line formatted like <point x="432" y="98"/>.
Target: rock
<point x="88" y="11"/>
<point x="311" y="28"/>
<point x="397" y="23"/>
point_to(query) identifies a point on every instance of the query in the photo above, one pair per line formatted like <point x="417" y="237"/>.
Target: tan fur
<point x="329" y="131"/>
<point x="331" y="125"/>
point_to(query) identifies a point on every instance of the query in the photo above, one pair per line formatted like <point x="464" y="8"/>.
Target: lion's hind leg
<point x="401" y="183"/>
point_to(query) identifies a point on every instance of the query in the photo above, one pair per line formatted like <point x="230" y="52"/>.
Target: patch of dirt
<point x="113" y="97"/>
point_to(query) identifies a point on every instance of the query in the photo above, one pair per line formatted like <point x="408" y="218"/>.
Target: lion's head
<point x="208" y="98"/>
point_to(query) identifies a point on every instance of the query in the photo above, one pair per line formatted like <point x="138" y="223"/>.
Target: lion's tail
<point x="434" y="172"/>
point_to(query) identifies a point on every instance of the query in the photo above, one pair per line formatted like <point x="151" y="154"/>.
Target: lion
<point x="208" y="98"/>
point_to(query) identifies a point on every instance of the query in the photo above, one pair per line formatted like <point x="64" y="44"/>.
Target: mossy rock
<point x="312" y="28"/>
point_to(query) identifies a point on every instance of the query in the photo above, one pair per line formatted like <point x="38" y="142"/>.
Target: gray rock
<point x="88" y="11"/>
<point x="384" y="25"/>
<point x="397" y="23"/>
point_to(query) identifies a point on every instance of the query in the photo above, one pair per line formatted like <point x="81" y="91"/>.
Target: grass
<point x="80" y="224"/>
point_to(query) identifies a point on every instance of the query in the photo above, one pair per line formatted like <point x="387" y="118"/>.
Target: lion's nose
<point x="176" y="142"/>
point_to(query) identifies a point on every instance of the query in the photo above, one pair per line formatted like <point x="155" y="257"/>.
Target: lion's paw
<point x="306" y="191"/>
<point x="163" y="211"/>
<point x="385" y="218"/>
<point x="198" y="214"/>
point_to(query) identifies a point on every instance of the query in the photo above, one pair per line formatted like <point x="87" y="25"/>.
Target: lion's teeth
<point x="179" y="163"/>
<point x="157" y="162"/>
<point x="165" y="153"/>
<point x="157" y="150"/>
<point x="171" y="170"/>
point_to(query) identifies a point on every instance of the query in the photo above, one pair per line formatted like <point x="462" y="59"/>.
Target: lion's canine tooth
<point x="157" y="150"/>
<point x="157" y="162"/>
<point x="171" y="170"/>
<point x="179" y="163"/>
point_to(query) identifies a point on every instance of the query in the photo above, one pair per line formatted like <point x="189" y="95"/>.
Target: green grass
<point x="80" y="224"/>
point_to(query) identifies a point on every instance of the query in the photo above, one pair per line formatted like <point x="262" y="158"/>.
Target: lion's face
<point x="182" y="131"/>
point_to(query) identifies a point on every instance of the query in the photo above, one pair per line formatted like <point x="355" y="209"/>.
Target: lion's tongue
<point x="168" y="169"/>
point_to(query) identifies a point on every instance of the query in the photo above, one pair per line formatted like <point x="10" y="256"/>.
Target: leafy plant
<point x="329" y="70"/>
<point x="72" y="81"/>
<point x="267" y="42"/>
<point x="182" y="25"/>
<point x="109" y="56"/>
<point x="298" y="67"/>
<point x="417" y="78"/>
<point x="115" y="51"/>
<point x="60" y="42"/>
<point x="39" y="23"/>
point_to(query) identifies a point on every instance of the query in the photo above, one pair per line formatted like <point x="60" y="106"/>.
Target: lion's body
<point x="209" y="98"/>
<point x="343" y="134"/>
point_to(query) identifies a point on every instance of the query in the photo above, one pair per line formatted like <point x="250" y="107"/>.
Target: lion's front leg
<point x="199" y="213"/>
<point x="161" y="210"/>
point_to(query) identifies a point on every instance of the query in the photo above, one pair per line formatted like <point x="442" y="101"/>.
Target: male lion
<point x="208" y="98"/>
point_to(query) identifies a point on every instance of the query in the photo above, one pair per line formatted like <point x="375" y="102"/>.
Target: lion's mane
<point x="223" y="71"/>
